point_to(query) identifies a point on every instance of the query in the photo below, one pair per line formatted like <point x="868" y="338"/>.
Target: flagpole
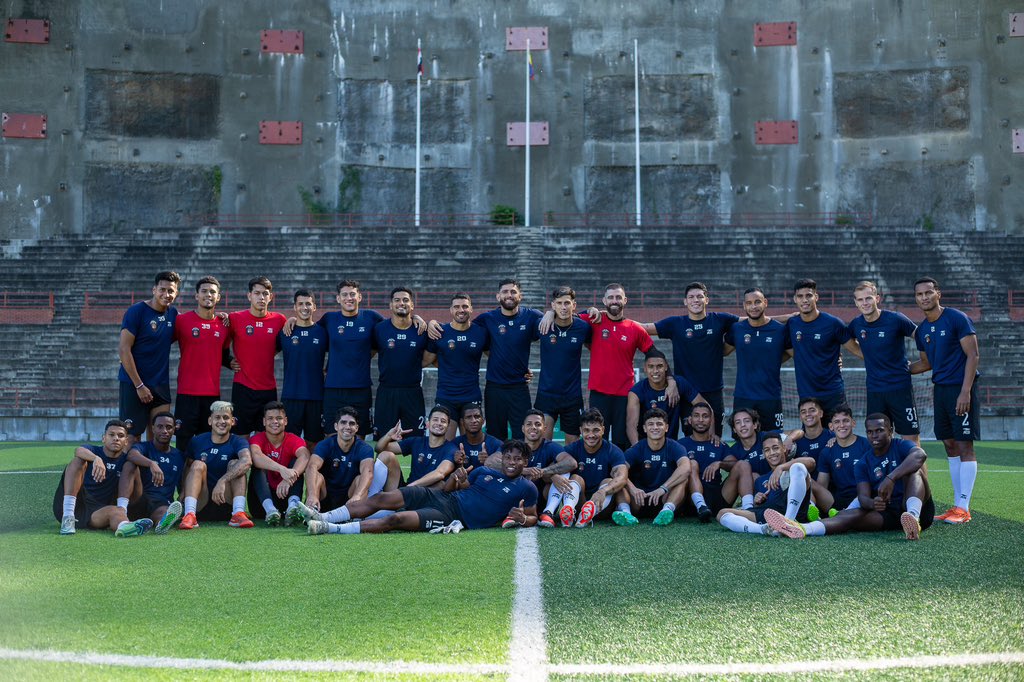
<point x="636" y="120"/>
<point x="527" y="191"/>
<point x="419" y="79"/>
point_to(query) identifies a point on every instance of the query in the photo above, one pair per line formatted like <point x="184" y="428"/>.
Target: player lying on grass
<point x="835" y="485"/>
<point x="549" y="465"/>
<point x="479" y="497"/>
<point x="160" y="468"/>
<point x="708" y="455"/>
<point x="891" y="485"/>
<point x="784" y="488"/>
<point x="218" y="462"/>
<point x="600" y="473"/>
<point x="279" y="460"/>
<point x="433" y="457"/>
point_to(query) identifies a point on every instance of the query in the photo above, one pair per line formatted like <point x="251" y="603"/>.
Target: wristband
<point x="663" y="488"/>
<point x="141" y="384"/>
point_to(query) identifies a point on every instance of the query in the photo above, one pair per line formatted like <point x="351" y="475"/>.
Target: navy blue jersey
<point x="940" y="342"/>
<point x="560" y="352"/>
<point x="492" y="444"/>
<point x="812" y="447"/>
<point x="816" y="347"/>
<point x="304" y="352"/>
<point x="510" y="339"/>
<point x="154" y="333"/>
<point x="885" y="355"/>
<point x="596" y="467"/>
<point x="649" y="469"/>
<point x="172" y="463"/>
<point x="216" y="455"/>
<point x="399" y="355"/>
<point x="458" y="362"/>
<point x="759" y="357"/>
<point x="651" y="397"/>
<point x="425" y="459"/>
<point x="704" y="453"/>
<point x="873" y="469"/>
<point x="340" y="468"/>
<point x="775" y="497"/>
<point x="106" y="490"/>
<point x="839" y="462"/>
<point x="545" y="455"/>
<point x="350" y="347"/>
<point x="697" y="347"/>
<point x="753" y="455"/>
<point x="491" y="496"/>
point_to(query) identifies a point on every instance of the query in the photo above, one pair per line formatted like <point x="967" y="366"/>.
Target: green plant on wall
<point x="350" y="195"/>
<point x="216" y="182"/>
<point x="312" y="205"/>
<point x="927" y="222"/>
<point x="505" y="215"/>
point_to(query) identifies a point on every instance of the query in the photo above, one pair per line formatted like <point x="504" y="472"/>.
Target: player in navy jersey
<point x="892" y="488"/>
<point x="400" y="357"/>
<point x="160" y="468"/>
<point x="810" y="439"/>
<point x="835" y="485"/>
<point x="652" y="391"/>
<point x="600" y="473"/>
<point x="457" y="351"/>
<point x="304" y="353"/>
<point x="473" y="445"/>
<point x="217" y="463"/>
<point x="144" y="347"/>
<point x="548" y="466"/>
<point x="759" y="342"/>
<point x="481" y="498"/>
<point x="785" y="490"/>
<point x="882" y="337"/>
<point x="709" y="458"/>
<point x="433" y="457"/>
<point x="816" y="339"/>
<point x="949" y="348"/>
<point x="560" y="393"/>
<point x="698" y="345"/>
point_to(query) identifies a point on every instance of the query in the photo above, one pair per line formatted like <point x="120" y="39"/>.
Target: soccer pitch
<point x="638" y="603"/>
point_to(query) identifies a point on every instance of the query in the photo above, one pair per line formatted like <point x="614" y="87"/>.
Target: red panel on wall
<point x="280" y="132"/>
<point x="776" y="132"/>
<point x="771" y="35"/>
<point x="282" y="42"/>
<point x="515" y="38"/>
<point x="28" y="31"/>
<point x="515" y="134"/>
<point x="32" y="126"/>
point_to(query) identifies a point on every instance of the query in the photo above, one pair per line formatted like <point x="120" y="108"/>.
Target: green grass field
<point x="685" y="594"/>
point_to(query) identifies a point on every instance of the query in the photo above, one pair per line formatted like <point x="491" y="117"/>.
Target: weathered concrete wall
<point x="904" y="108"/>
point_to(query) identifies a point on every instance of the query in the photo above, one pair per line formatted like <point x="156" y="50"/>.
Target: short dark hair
<point x="515" y="444"/>
<point x="878" y="415"/>
<point x="654" y="413"/>
<point x="654" y="354"/>
<point x="771" y="435"/>
<point x="805" y="283"/>
<point x="461" y="294"/>
<point x="165" y="413"/>
<point x="115" y="422"/>
<point x="466" y="407"/>
<point x="440" y="408"/>
<point x="695" y="285"/>
<point x="262" y="281"/>
<point x="208" y="279"/>
<point x="533" y="412"/>
<point x="592" y="416"/>
<point x="348" y="283"/>
<point x="167" y="276"/>
<point x="816" y="401"/>
<point x="705" y="405"/>
<point x="510" y="280"/>
<point x="274" y="405"/>
<point x="346" y="411"/>
<point x="303" y="292"/>
<point x="927" y="280"/>
<point x="751" y="290"/>
<point x="559" y="292"/>
<point x="614" y="285"/>
<point x="749" y="410"/>
<point x="397" y="289"/>
<point x="843" y="409"/>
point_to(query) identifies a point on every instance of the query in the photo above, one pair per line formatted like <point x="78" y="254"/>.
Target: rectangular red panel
<point x="1018" y="140"/>
<point x="282" y="42"/>
<point x="1017" y="25"/>
<point x="515" y="38"/>
<point x="25" y="125"/>
<point x="280" y="132"/>
<point x="774" y="34"/>
<point x="776" y="132"/>
<point x="515" y="134"/>
<point x="28" y="31"/>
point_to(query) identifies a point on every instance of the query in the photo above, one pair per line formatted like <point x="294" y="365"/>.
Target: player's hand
<point x="790" y="446"/>
<point x="532" y="473"/>
<point x="831" y="442"/>
<point x="483" y="454"/>
<point x="462" y="475"/>
<point x="598" y="499"/>
<point x="397" y="432"/>
<point x="638" y="496"/>
<point x="672" y="393"/>
<point x="716" y="440"/>
<point x="518" y="514"/>
<point x="282" y="489"/>
<point x="879" y="504"/>
<point x="545" y="322"/>
<point x="760" y="498"/>
<point x="963" y="403"/>
<point x="460" y="456"/>
<point x="421" y="324"/>
<point x="594" y="315"/>
<point x="434" y="330"/>
<point x="289" y="325"/>
<point x="711" y="472"/>
<point x="528" y="376"/>
<point x="156" y="474"/>
<point x="654" y="497"/>
<point x="885" y="489"/>
<point x="236" y="366"/>
<point x="773" y="480"/>
<point x="99" y="470"/>
<point x="561" y="484"/>
<point x="217" y="494"/>
<point x="145" y="395"/>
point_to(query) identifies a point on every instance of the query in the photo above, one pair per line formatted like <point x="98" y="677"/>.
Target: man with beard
<point x="560" y="393"/>
<point x="473" y="445"/>
<point x="400" y="360"/>
<point x="652" y="392"/>
<point x="304" y="352"/>
<point x="548" y="467"/>
<point x="709" y="459"/>
<point x="217" y="463"/>
<point x="457" y="351"/>
<point x="433" y="457"/>
<point x="600" y="473"/>
<point x="279" y="461"/>
<point x="160" y="467"/>
<point x="254" y="340"/>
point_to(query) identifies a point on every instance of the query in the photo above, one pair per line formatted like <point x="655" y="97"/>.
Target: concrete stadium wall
<point x="905" y="109"/>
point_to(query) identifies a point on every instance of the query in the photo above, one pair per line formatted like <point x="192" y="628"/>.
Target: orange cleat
<point x="946" y="514"/>
<point x="188" y="522"/>
<point x="783" y="526"/>
<point x="240" y="520"/>
<point x="911" y="526"/>
<point x="567" y="515"/>
<point x="957" y="515"/>
<point x="587" y="513"/>
<point x="545" y="521"/>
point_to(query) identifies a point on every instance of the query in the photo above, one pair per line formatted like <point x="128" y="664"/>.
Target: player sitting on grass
<point x="785" y="488"/>
<point x="810" y="439"/>
<point x="279" y="463"/>
<point x="433" y="457"/>
<point x="745" y="456"/>
<point x="835" y="487"/>
<point x="472" y="439"/>
<point x="480" y="497"/>
<point x="891" y="485"/>
<point x="709" y="461"/>
<point x="659" y="470"/>
<point x="219" y="461"/>
<point x="94" y="472"/>
<point x="600" y="473"/>
<point x="549" y="465"/>
<point x="342" y="469"/>
<point x="160" y="467"/>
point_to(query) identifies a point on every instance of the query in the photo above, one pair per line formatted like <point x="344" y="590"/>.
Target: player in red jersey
<point x="254" y="339"/>
<point x="203" y="340"/>
<point x="279" y="461"/>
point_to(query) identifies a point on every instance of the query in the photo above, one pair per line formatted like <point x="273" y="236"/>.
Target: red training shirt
<point x="202" y="343"/>
<point x="283" y="454"/>
<point x="255" y="344"/>
<point x="612" y="347"/>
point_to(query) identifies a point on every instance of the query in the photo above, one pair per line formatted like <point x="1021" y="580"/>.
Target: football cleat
<point x="622" y="518"/>
<point x="67" y="525"/>
<point x="453" y="527"/>
<point x="274" y="518"/>
<point x="813" y="513"/>
<point x="546" y="521"/>
<point x="911" y="526"/>
<point x="946" y="514"/>
<point x="958" y="515"/>
<point x="664" y="517"/>
<point x="567" y="515"/>
<point x="783" y="526"/>
<point x="316" y="527"/>
<point x="240" y="520"/>
<point x="170" y="517"/>
<point x="188" y="522"/>
<point x="291" y="517"/>
<point x="587" y="513"/>
<point x="303" y="513"/>
<point x="508" y="523"/>
<point x="704" y="514"/>
<point x="131" y="529"/>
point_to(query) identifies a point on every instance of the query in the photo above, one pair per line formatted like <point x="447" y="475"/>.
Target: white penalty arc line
<point x="406" y="667"/>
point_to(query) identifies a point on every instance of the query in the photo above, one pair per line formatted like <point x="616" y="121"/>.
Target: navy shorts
<point x="565" y="411"/>
<point x="435" y="508"/>
<point x="399" y="403"/>
<point x="305" y="418"/>
<point x="359" y="398"/>
<point x="131" y="409"/>
<point x="891" y="516"/>
<point x="948" y="424"/>
<point x="770" y="411"/>
<point x="899" y="406"/>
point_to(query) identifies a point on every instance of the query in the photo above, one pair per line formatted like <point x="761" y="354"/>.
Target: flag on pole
<point x="529" y="61"/>
<point x="419" y="61"/>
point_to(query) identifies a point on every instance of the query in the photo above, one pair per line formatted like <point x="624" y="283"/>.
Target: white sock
<point x="190" y="505"/>
<point x="622" y="507"/>
<point x="343" y="528"/>
<point x="698" y="500"/>
<point x="797" y="489"/>
<point x="268" y="507"/>
<point x="914" y="506"/>
<point x="747" y="502"/>
<point x="383" y="513"/>
<point x="968" y="473"/>
<point x="238" y="504"/>
<point x="339" y="515"/>
<point x="122" y="502"/>
<point x="739" y="524"/>
<point x="570" y="498"/>
<point x="554" y="498"/>
<point x="69" y="505"/>
<point x="608" y="501"/>
<point x="954" y="475"/>
<point x="669" y="507"/>
<point x="855" y="504"/>
<point x="815" y="527"/>
<point x="293" y="502"/>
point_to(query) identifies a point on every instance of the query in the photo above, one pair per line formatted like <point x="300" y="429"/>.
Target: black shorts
<point x="948" y="424"/>
<point x="333" y="499"/>
<point x="770" y="411"/>
<point x="305" y="418"/>
<point x="455" y="406"/>
<point x="780" y="506"/>
<point x="505" y="409"/>
<point x="403" y="404"/>
<point x="133" y="410"/>
<point x="192" y="413"/>
<point x="713" y="498"/>
<point x="830" y="403"/>
<point x="713" y="398"/>
<point x="249" y="406"/>
<point x="898" y="405"/>
<point x="565" y="411"/>
<point x="359" y="398"/>
<point x="613" y="408"/>
<point x="148" y="504"/>
<point x="215" y="512"/>
<point x="85" y="504"/>
<point x="841" y="502"/>
<point x="891" y="516"/>
<point x="435" y="508"/>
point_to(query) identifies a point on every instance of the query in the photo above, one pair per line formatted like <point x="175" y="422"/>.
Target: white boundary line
<point x="14" y="473"/>
<point x="528" y="649"/>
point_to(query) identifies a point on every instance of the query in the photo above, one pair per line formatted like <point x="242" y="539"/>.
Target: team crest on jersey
<point x="605" y="333"/>
<point x="799" y="336"/>
<point x="689" y="333"/>
<point x="837" y="464"/>
<point x="927" y="338"/>
<point x="746" y="338"/>
<point x="391" y="343"/>
<point x="488" y="478"/>
<point x="863" y="333"/>
<point x="421" y="457"/>
<point x="195" y="332"/>
<point x="249" y="330"/>
<point x="501" y="329"/>
<point x="202" y="457"/>
<point x="153" y="325"/>
<point x="647" y="464"/>
<point x="295" y="340"/>
<point x="878" y="473"/>
<point x="552" y="339"/>
<point x="341" y="329"/>
<point x="451" y="345"/>
<point x="337" y="464"/>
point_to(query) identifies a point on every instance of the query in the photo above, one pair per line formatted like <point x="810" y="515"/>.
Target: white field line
<point x="400" y="667"/>
<point x="16" y="473"/>
<point x="528" y="650"/>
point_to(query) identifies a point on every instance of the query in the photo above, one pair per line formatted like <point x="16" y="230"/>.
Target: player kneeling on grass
<point x="279" y="462"/>
<point x="549" y="465"/>
<point x="218" y="462"/>
<point x="600" y="473"/>
<point x="659" y="470"/>
<point x="785" y="488"/>
<point x="160" y="467"/>
<point x="479" y="497"/>
<point x="342" y="470"/>
<point x="835" y="485"/>
<point x="891" y="485"/>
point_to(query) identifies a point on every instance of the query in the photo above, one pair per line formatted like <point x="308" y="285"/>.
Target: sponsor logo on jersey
<point x="249" y="329"/>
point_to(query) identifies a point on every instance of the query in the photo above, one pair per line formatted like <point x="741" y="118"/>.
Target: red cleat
<point x="587" y="513"/>
<point x="188" y="522"/>
<point x="567" y="515"/>
<point x="545" y="521"/>
<point x="240" y="520"/>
